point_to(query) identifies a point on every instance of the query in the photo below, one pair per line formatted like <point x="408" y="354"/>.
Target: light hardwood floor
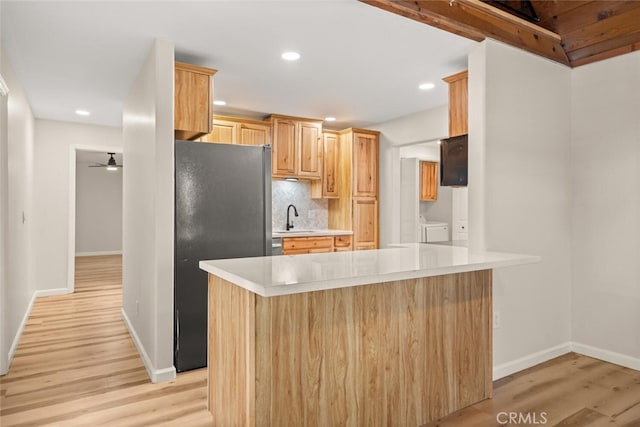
<point x="77" y="366"/>
<point x="571" y="390"/>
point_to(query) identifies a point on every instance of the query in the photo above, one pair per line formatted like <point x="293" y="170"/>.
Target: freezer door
<point x="222" y="210"/>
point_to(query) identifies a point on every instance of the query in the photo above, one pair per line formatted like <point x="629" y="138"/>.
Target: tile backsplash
<point x="313" y="212"/>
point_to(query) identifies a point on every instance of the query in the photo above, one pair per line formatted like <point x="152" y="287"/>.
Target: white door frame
<point x="71" y="257"/>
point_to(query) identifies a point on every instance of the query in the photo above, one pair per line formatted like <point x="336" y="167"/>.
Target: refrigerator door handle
<point x="177" y="331"/>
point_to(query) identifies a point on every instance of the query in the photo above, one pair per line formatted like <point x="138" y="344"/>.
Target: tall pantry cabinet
<point x="357" y="206"/>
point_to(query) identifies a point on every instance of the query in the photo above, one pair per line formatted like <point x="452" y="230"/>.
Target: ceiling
<point x="573" y="33"/>
<point x="359" y="63"/>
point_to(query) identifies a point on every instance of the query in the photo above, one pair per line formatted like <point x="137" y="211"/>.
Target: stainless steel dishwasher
<point x="276" y="246"/>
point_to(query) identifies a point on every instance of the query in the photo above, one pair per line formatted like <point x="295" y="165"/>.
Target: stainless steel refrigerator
<point x="222" y="210"/>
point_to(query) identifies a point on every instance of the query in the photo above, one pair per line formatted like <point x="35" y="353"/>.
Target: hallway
<point x="77" y="365"/>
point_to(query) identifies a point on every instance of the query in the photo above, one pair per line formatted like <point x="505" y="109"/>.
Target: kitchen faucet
<point x="295" y="212"/>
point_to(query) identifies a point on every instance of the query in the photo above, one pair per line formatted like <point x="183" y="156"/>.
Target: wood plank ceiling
<point x="573" y="33"/>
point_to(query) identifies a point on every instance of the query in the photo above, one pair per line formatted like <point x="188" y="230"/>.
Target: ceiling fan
<point x="111" y="164"/>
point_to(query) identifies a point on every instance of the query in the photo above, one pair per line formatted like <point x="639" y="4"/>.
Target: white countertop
<point x="310" y="233"/>
<point x="292" y="274"/>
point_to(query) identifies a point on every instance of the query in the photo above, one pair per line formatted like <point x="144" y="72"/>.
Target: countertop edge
<point x="319" y="233"/>
<point x="508" y="261"/>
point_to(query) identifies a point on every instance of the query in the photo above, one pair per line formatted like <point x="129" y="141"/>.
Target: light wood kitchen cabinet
<point x="236" y="130"/>
<point x="222" y="131"/>
<point x="310" y="152"/>
<point x="342" y="243"/>
<point x="428" y="181"/>
<point x="365" y="223"/>
<point x="327" y="187"/>
<point x="192" y="100"/>
<point x="296" y="148"/>
<point x="313" y="245"/>
<point x="458" y="104"/>
<point x="356" y="208"/>
<point x="365" y="165"/>
<point x="283" y="145"/>
<point x="253" y="133"/>
<point x="306" y="245"/>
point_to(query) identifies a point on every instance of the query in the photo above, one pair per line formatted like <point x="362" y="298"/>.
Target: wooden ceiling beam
<point x="476" y="20"/>
<point x="605" y="50"/>
<point x="602" y="30"/>
<point x="606" y="55"/>
<point x="591" y="13"/>
<point x="434" y="16"/>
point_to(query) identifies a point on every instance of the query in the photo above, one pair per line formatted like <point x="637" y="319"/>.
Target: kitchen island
<point x="396" y="336"/>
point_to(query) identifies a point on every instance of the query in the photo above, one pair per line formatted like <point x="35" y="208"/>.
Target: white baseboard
<point x="156" y="375"/>
<point x="502" y="370"/>
<point x="99" y="253"/>
<point x="606" y="355"/>
<point x="50" y="292"/>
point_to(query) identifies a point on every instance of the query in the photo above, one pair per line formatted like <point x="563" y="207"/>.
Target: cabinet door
<point x="284" y="147"/>
<point x="365" y="224"/>
<point x="341" y="243"/>
<point x="428" y="181"/>
<point x="331" y="149"/>
<point x="253" y="134"/>
<point x="310" y="150"/>
<point x="458" y="104"/>
<point x="365" y="165"/>
<point x="191" y="102"/>
<point x="222" y="132"/>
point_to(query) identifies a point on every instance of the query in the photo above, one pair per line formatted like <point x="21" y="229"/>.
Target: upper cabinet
<point x="234" y="130"/>
<point x="254" y="133"/>
<point x="192" y="100"/>
<point x="428" y="181"/>
<point x="458" y="104"/>
<point x="296" y="147"/>
<point x="223" y="131"/>
<point x="327" y="187"/>
<point x="365" y="164"/>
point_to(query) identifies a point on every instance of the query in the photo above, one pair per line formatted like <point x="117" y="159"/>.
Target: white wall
<point x="148" y="202"/>
<point x="605" y="153"/>
<point x="424" y="126"/>
<point x="98" y="210"/>
<point x="16" y="172"/>
<point x="519" y="109"/>
<point x="55" y="144"/>
<point x="4" y="226"/>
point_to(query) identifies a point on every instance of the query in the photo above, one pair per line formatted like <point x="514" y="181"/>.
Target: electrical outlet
<point x="497" y="320"/>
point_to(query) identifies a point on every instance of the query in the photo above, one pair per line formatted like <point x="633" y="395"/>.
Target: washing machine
<point x="434" y="232"/>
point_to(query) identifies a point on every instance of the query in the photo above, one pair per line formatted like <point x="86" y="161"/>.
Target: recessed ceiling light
<point x="219" y="102"/>
<point x="291" y="56"/>
<point x="427" y="86"/>
<point x="329" y="119"/>
<point x="83" y="113"/>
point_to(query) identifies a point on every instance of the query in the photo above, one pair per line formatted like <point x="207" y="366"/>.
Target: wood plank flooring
<point x="77" y="366"/>
<point x="571" y="390"/>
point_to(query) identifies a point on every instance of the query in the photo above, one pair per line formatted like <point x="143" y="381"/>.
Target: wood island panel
<point x="396" y="353"/>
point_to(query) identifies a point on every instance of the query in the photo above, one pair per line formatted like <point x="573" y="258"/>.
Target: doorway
<point x="95" y="205"/>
